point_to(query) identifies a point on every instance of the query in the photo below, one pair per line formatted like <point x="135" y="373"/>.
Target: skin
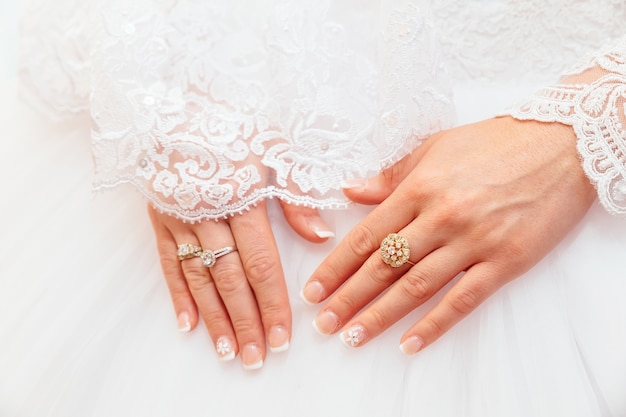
<point x="488" y="199"/>
<point x="243" y="297"/>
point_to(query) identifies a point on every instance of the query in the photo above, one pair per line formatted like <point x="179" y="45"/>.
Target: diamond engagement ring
<point x="187" y="251"/>
<point x="209" y="257"/>
<point x="394" y="249"/>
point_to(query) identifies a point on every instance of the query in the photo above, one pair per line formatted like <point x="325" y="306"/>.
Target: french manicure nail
<point x="326" y="322"/>
<point x="353" y="336"/>
<point x="320" y="228"/>
<point x="251" y="357"/>
<point x="224" y="349"/>
<point x="312" y="293"/>
<point x="184" y="324"/>
<point x="354" y="183"/>
<point x="278" y="339"/>
<point x="323" y="234"/>
<point x="412" y="345"/>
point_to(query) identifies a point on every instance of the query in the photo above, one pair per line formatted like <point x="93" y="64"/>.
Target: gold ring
<point x="394" y="249"/>
<point x="187" y="251"/>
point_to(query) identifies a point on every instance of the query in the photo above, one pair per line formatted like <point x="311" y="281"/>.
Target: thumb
<point x="307" y="222"/>
<point x="376" y="189"/>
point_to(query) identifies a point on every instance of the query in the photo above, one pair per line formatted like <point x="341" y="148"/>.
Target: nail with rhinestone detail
<point x="224" y="349"/>
<point x="354" y="336"/>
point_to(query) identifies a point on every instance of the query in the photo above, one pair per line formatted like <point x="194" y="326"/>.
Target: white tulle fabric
<point x="208" y="107"/>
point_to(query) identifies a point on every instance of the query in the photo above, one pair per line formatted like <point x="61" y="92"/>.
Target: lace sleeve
<point x="591" y="98"/>
<point x="207" y="107"/>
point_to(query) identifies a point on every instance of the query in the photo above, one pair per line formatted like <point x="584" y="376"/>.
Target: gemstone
<point x="394" y="250"/>
<point x="208" y="258"/>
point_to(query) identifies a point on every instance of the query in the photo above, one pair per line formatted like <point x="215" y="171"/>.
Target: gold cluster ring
<point x="395" y="251"/>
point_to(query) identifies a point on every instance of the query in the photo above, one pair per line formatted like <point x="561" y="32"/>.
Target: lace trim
<point x="209" y="119"/>
<point x="596" y="111"/>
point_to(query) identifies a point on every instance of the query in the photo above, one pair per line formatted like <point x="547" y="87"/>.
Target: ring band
<point x="187" y="251"/>
<point x="209" y="257"/>
<point x="394" y="250"/>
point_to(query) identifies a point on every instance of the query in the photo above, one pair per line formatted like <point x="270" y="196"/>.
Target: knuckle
<point x="214" y="320"/>
<point x="450" y="215"/>
<point x="346" y="302"/>
<point x="273" y="310"/>
<point x="170" y="265"/>
<point x="380" y="273"/>
<point x="228" y="279"/>
<point x="246" y="328"/>
<point x="260" y="266"/>
<point x="465" y="300"/>
<point x="362" y="241"/>
<point x="379" y="318"/>
<point x="435" y="328"/>
<point x="196" y="275"/>
<point x="393" y="175"/>
<point x="416" y="286"/>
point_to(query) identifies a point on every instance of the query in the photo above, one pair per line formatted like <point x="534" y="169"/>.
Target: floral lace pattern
<point x="596" y="112"/>
<point x="208" y="107"/>
<point x="207" y="111"/>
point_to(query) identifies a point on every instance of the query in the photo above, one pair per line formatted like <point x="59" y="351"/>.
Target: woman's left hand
<point x="490" y="199"/>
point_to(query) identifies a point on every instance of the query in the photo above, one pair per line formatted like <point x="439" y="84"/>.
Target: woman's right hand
<point x="242" y="298"/>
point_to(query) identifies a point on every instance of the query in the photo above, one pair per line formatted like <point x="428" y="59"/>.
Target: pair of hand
<point x="488" y="199"/>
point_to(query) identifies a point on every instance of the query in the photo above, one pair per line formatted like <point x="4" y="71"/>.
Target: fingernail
<point x="278" y="339"/>
<point x="412" y="345"/>
<point x="224" y="349"/>
<point x="251" y="357"/>
<point x="354" y="336"/>
<point x="320" y="228"/>
<point x="354" y="183"/>
<point x="326" y="323"/>
<point x="184" y="324"/>
<point x="312" y="293"/>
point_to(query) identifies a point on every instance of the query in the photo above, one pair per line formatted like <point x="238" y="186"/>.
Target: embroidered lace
<point x="207" y="107"/>
<point x="595" y="109"/>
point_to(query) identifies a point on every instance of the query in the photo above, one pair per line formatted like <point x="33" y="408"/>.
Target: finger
<point x="228" y="277"/>
<point x="416" y="287"/>
<point x="259" y="255"/>
<point x="184" y="305"/>
<point x="358" y="246"/>
<point x="480" y="281"/>
<point x="376" y="276"/>
<point x="376" y="189"/>
<point x="212" y="309"/>
<point x="307" y="222"/>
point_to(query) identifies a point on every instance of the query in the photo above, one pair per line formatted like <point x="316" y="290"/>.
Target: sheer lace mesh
<point x="208" y="106"/>
<point x="591" y="98"/>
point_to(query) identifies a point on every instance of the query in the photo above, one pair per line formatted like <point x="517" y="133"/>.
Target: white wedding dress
<point x="319" y="92"/>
